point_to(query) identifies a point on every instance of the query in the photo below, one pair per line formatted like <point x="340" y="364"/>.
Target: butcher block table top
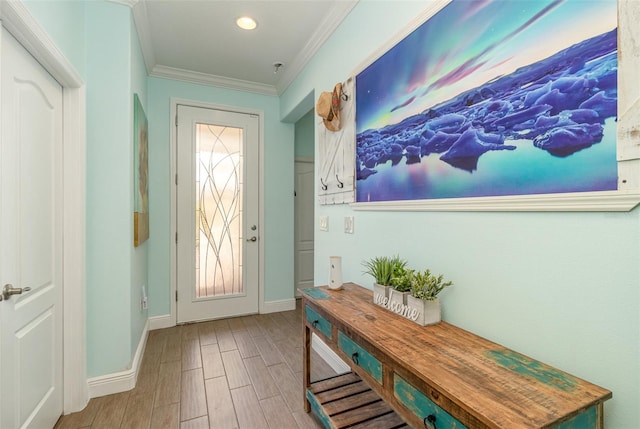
<point x="481" y="383"/>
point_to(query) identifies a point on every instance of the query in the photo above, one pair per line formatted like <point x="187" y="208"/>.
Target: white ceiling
<point x="198" y="41"/>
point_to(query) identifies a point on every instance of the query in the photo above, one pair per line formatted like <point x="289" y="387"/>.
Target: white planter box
<point x="429" y="312"/>
<point x="381" y="294"/>
<point x="397" y="298"/>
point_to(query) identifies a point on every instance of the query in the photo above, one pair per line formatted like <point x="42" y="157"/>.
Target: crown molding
<point x="208" y="79"/>
<point x="338" y="13"/>
<point x="140" y="18"/>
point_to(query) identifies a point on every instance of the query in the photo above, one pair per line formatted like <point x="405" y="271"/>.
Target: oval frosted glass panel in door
<point x="218" y="210"/>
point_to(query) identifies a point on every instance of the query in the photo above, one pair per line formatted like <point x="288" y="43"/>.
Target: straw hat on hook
<point x="328" y="108"/>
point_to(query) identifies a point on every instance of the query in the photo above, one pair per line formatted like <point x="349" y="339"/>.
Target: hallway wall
<point x="563" y="288"/>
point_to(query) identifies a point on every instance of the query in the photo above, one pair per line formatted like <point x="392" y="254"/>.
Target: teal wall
<point x="109" y="171"/>
<point x="304" y="136"/>
<point x="278" y="186"/>
<point x="64" y="21"/>
<point x="140" y="254"/>
<point x="560" y="287"/>
<point x="114" y="72"/>
<point x="99" y="39"/>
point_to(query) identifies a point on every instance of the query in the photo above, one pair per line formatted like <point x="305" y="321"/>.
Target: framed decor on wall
<point x="336" y="146"/>
<point x="500" y="101"/>
<point x="140" y="174"/>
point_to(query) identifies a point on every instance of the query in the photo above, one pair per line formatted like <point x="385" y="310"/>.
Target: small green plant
<point x="384" y="268"/>
<point x="427" y="286"/>
<point x="402" y="279"/>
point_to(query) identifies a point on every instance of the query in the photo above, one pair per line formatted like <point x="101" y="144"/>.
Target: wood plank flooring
<point x="244" y="372"/>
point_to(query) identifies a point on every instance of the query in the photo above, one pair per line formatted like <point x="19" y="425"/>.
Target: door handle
<point x="254" y="238"/>
<point x="10" y="290"/>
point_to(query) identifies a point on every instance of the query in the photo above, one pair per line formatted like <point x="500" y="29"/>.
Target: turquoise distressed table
<point x="434" y="377"/>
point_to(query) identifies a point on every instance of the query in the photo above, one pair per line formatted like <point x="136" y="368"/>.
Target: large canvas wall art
<point x="141" y="174"/>
<point x="492" y="98"/>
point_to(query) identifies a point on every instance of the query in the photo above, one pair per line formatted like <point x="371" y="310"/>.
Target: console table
<point x="435" y="377"/>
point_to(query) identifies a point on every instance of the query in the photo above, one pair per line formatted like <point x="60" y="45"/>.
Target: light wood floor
<point x="243" y="372"/>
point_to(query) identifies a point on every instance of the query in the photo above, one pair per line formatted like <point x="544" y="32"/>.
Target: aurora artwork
<point x="492" y="98"/>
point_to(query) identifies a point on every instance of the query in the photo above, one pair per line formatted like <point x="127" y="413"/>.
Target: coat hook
<point x="324" y="186"/>
<point x="340" y="184"/>
<point x="343" y="95"/>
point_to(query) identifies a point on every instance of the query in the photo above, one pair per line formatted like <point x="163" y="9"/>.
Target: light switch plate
<point x="348" y="224"/>
<point x="324" y="223"/>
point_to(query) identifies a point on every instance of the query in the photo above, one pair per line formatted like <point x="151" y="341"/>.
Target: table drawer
<point x="422" y="406"/>
<point x="318" y="322"/>
<point x="588" y="419"/>
<point x="360" y="356"/>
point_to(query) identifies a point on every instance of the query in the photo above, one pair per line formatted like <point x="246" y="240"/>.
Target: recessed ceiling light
<point x="246" y="23"/>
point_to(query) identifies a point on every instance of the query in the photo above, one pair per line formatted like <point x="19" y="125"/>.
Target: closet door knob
<point x="10" y="290"/>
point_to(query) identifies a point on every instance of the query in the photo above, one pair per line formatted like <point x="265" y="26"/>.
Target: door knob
<point x="10" y="290"/>
<point x="254" y="238"/>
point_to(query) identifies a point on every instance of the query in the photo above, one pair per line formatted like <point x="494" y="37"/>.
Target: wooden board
<point x="479" y="382"/>
<point x="345" y="401"/>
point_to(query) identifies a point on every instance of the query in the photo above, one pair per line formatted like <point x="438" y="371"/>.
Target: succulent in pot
<point x="425" y="288"/>
<point x="383" y="269"/>
<point x="401" y="285"/>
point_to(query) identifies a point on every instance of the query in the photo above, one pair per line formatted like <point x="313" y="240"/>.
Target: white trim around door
<point x="173" y="141"/>
<point x="17" y="19"/>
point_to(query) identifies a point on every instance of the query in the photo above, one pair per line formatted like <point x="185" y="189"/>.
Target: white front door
<point x="304" y="223"/>
<point x="217" y="213"/>
<point x="30" y="241"/>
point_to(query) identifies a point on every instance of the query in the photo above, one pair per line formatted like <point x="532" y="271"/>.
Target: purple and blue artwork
<point x="492" y="98"/>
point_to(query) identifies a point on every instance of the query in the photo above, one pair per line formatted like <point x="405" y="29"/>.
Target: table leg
<point x="306" y="365"/>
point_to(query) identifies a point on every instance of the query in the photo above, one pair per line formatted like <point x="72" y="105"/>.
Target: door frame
<point x="174" y="221"/>
<point x="17" y="19"/>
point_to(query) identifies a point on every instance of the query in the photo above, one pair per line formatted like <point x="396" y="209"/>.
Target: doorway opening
<point x="304" y="210"/>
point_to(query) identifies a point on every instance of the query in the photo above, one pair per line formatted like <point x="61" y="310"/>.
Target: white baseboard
<point x="166" y="321"/>
<point x="123" y="380"/>
<point x="329" y="356"/>
<point x="161" y="322"/>
<point x="277" y="306"/>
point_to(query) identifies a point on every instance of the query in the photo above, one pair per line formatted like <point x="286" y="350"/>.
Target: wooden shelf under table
<point x="345" y="401"/>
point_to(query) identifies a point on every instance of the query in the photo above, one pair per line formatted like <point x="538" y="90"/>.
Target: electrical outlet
<point x="324" y="223"/>
<point x="348" y="224"/>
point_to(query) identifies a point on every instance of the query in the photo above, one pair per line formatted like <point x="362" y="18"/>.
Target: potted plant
<point x="425" y="288"/>
<point x="401" y="285"/>
<point x="383" y="269"/>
